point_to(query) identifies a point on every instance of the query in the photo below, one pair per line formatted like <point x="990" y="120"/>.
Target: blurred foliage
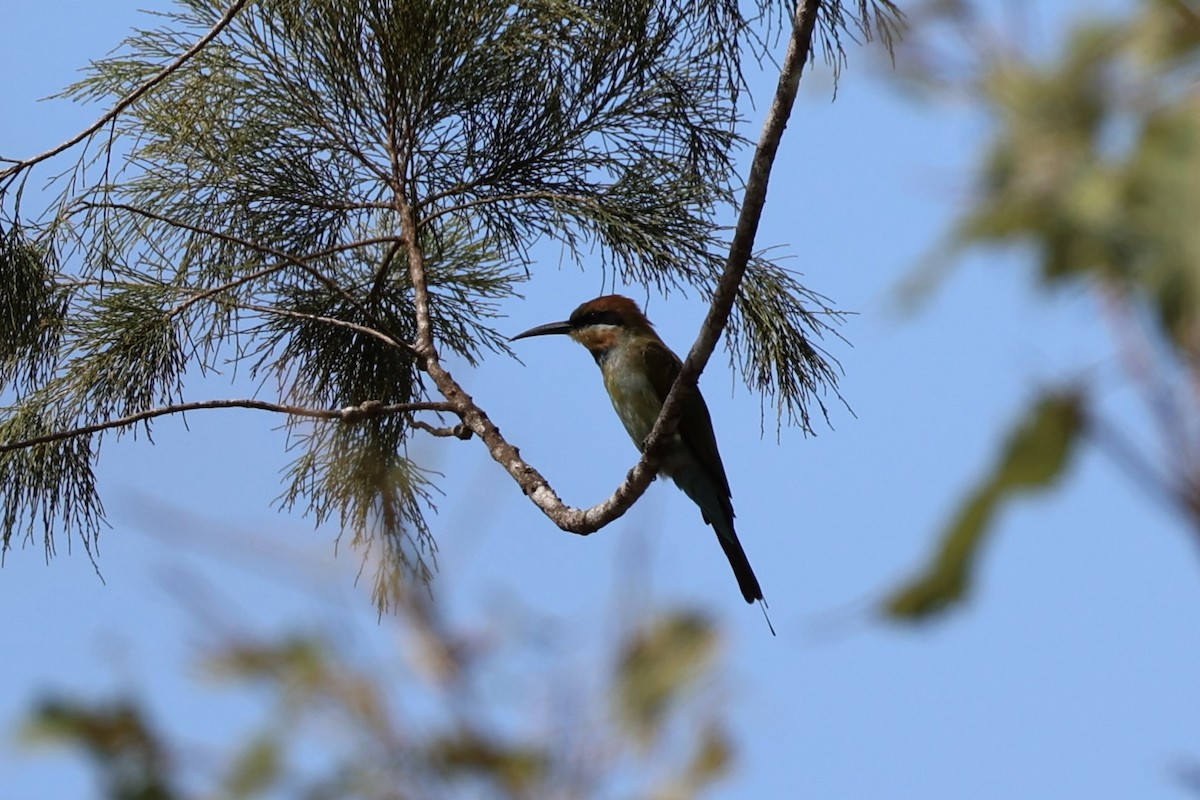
<point x="1035" y="457"/>
<point x="1093" y="169"/>
<point x="665" y="656"/>
<point x="336" y="727"/>
<point x="128" y="753"/>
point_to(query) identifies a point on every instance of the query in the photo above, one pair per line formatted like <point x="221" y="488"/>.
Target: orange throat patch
<point x="597" y="339"/>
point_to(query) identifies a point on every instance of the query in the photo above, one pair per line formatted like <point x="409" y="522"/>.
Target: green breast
<point x="633" y="396"/>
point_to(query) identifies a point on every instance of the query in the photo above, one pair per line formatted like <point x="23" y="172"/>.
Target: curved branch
<point x="740" y="250"/>
<point x="742" y="246"/>
<point x="365" y="410"/>
<point x="458" y="431"/>
<point x="133" y="96"/>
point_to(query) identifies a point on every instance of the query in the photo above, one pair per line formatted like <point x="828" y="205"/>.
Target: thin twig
<point x="133" y="96"/>
<point x="503" y="198"/>
<point x="285" y="257"/>
<point x="333" y="249"/>
<point x="341" y="323"/>
<point x="348" y="414"/>
<point x="385" y="267"/>
<point x="458" y="431"/>
<point x="190" y="301"/>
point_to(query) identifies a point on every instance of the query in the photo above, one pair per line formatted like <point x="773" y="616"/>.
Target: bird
<point x="639" y="369"/>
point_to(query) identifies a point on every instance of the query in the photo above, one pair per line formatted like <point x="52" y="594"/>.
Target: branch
<point x="341" y="323"/>
<point x="501" y="198"/>
<point x="133" y="96"/>
<point x="384" y="267"/>
<point x="585" y="521"/>
<point x="191" y="300"/>
<point x="740" y="250"/>
<point x="458" y="431"/>
<point x="285" y="258"/>
<point x="416" y="276"/>
<point x="1138" y="358"/>
<point x="334" y="249"/>
<point x="368" y="409"/>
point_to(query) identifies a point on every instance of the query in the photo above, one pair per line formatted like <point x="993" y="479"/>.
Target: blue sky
<point x="1070" y="673"/>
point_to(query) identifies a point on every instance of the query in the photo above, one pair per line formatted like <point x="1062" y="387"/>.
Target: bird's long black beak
<point x="544" y="330"/>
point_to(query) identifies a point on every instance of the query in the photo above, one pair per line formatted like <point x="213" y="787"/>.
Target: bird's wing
<point x="695" y="424"/>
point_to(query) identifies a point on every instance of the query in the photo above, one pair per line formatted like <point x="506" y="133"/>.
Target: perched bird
<point x="638" y="370"/>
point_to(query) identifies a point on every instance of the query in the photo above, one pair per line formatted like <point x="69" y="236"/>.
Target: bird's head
<point x="599" y="324"/>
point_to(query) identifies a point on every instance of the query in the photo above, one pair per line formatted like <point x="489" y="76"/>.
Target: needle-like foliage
<point x="337" y="193"/>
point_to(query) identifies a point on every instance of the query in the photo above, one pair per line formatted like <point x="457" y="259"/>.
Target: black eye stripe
<point x="595" y="318"/>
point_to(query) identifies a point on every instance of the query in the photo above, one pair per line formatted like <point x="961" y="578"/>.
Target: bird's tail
<point x="747" y="582"/>
<point x="741" y="569"/>
<point x="717" y="510"/>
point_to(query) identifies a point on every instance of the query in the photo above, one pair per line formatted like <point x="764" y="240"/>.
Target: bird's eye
<point x="589" y="318"/>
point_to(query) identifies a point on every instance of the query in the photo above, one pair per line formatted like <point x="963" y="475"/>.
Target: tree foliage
<point x="336" y="195"/>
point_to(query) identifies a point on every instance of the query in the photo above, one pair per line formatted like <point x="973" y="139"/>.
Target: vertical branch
<point x="742" y="246"/>
<point x="416" y="276"/>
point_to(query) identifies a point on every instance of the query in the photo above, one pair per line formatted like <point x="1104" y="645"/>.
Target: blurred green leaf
<point x="298" y="664"/>
<point x="710" y="761"/>
<point x="714" y="755"/>
<point x="1035" y="457"/>
<point x="519" y="768"/>
<point x="342" y="724"/>
<point x="128" y="752"/>
<point x="255" y="768"/>
<point x="657" y="665"/>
